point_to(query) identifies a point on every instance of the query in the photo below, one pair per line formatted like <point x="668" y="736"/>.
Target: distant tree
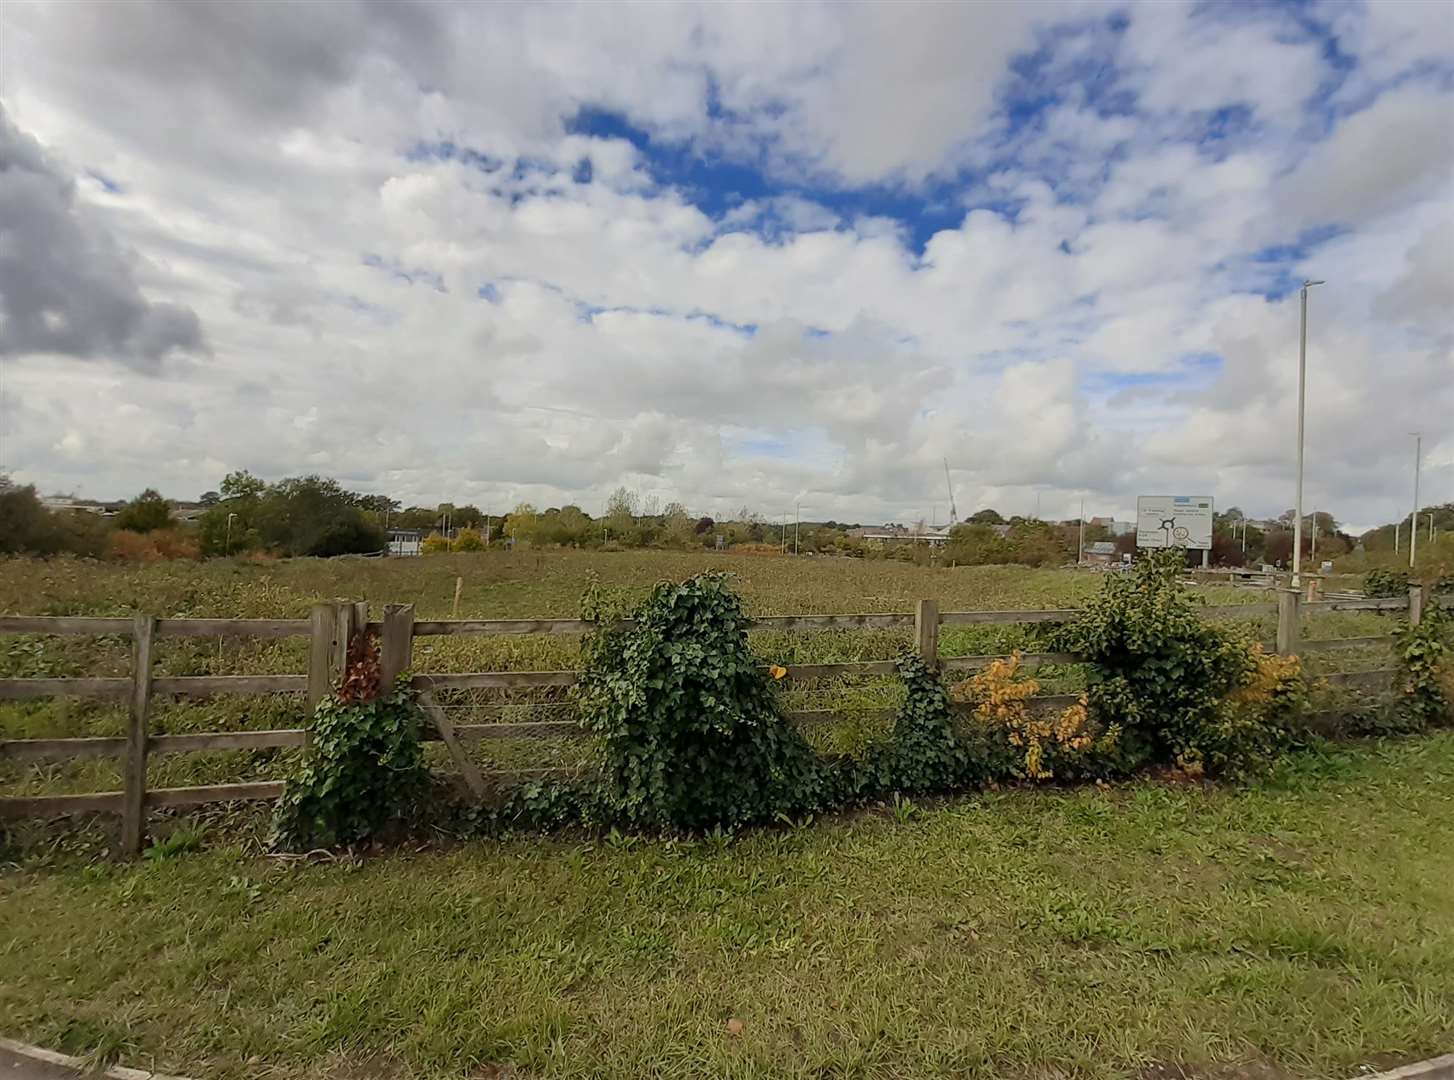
<point x="311" y="515"/>
<point x="1277" y="547"/>
<point x="703" y="525"/>
<point x="241" y="485"/>
<point x="468" y="517"/>
<point x="570" y="526"/>
<point x="621" y="513"/>
<point x="209" y="498"/>
<point x="677" y="527"/>
<point x="378" y="504"/>
<point x="145" y="513"/>
<point x="28" y="528"/>
<point x="522" y="523"/>
<point x="468" y="540"/>
<point x="986" y="516"/>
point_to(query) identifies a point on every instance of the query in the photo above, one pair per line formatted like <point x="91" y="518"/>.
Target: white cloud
<point x="376" y="213"/>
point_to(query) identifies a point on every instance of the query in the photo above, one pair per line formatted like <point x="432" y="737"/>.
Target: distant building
<point x="930" y="534"/>
<point x="61" y="503"/>
<point x="1101" y="553"/>
<point x="406" y="542"/>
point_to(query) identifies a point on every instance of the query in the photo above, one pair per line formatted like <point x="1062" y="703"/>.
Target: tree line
<point x="317" y="516"/>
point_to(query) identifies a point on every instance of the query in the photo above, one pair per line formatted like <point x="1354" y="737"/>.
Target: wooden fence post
<point x="343" y="616"/>
<point x="320" y="651"/>
<point x="396" y="651"/>
<point x="926" y="632"/>
<point x="1416" y="604"/>
<point x="133" y="805"/>
<point x="1289" y="601"/>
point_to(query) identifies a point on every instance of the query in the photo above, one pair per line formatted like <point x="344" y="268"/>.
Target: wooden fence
<point x="332" y="625"/>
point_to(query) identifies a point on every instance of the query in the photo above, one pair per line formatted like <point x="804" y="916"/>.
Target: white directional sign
<point x="1183" y="521"/>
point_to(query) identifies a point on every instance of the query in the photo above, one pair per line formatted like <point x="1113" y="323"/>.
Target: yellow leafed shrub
<point x="1041" y="741"/>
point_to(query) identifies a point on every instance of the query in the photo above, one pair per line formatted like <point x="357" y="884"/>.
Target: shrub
<point x="1069" y="743"/>
<point x="27" y="527"/>
<point x="435" y="544"/>
<point x="1383" y="582"/>
<point x="146" y="512"/>
<point x="1166" y="677"/>
<point x="1253" y="724"/>
<point x="363" y="765"/>
<point x="128" y="546"/>
<point x="1423" y="653"/>
<point x="923" y="752"/>
<point x="756" y="549"/>
<point x="689" y="733"/>
<point x="467" y="540"/>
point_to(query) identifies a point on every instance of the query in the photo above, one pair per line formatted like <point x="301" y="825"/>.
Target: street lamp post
<point x="1302" y="384"/>
<point x="229" y="532"/>
<point x="1414" y="519"/>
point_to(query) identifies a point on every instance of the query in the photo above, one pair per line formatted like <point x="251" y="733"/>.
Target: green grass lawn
<point x="1301" y="927"/>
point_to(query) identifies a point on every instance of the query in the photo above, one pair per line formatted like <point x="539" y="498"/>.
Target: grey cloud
<point x="65" y="285"/>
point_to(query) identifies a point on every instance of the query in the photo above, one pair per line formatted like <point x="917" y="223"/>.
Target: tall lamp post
<point x="229" y="532"/>
<point x="1414" y="520"/>
<point x="1302" y="387"/>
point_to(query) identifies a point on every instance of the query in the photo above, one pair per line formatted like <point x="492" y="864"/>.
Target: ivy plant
<point x="1423" y="653"/>
<point x="363" y="767"/>
<point x="689" y="734"/>
<point x="924" y="752"/>
<point x="1383" y="582"/>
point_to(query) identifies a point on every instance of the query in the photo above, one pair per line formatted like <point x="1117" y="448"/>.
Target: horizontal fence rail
<point x="332" y="624"/>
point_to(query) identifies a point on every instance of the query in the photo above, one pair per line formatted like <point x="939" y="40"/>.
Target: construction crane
<point x="953" y="511"/>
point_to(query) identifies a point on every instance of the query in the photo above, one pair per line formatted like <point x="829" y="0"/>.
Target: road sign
<point x="1183" y="521"/>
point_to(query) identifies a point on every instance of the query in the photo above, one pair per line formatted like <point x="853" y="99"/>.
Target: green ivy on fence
<point x="363" y="765"/>
<point x="689" y="732"/>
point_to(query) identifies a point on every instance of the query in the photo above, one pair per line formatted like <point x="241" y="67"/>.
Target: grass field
<point x="1302" y="928"/>
<point x="518" y="584"/>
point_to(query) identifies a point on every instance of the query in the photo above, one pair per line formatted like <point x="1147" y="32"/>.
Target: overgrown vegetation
<point x="1425" y="684"/>
<point x="1069" y="744"/>
<point x="854" y="757"/>
<point x="1385" y="582"/>
<point x="26" y="526"/>
<point x="688" y="732"/>
<point x="1182" y="690"/>
<point x="362" y="768"/>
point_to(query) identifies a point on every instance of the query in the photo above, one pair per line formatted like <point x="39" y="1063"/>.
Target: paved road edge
<point x="1439" y="1068"/>
<point x="38" y="1062"/>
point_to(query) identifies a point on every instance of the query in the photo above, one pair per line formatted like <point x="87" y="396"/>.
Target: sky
<point x="772" y="255"/>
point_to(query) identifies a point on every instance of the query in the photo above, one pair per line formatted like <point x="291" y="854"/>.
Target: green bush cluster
<point x="689" y="732"/>
<point x="1425" y="678"/>
<point x="688" y="729"/>
<point x="1385" y="583"/>
<point x="361" y="772"/>
<point x="1184" y="691"/>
